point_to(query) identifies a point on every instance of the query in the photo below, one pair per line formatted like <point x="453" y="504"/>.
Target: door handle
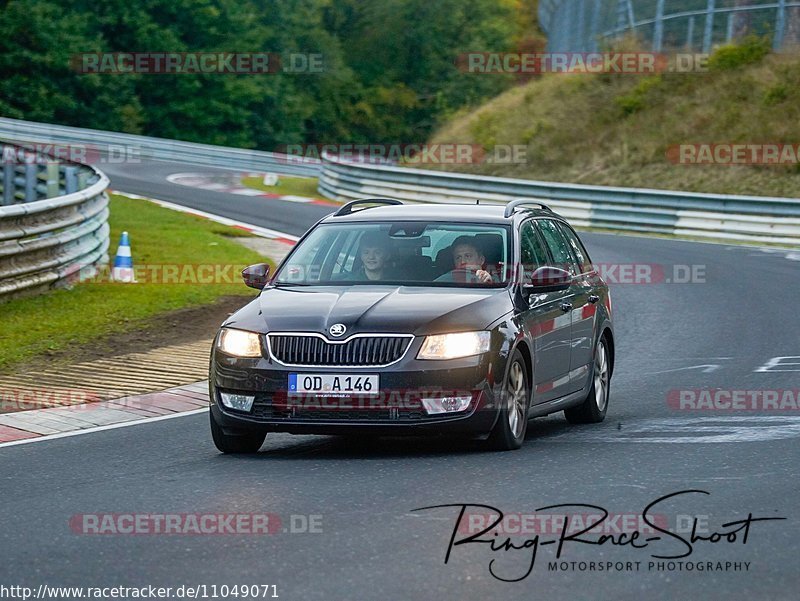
<point x="566" y="307"/>
<point x="593" y="298"/>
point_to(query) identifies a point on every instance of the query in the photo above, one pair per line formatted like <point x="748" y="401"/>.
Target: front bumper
<point x="396" y="410"/>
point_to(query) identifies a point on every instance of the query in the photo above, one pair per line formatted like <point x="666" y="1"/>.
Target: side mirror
<point x="547" y="279"/>
<point x="256" y="276"/>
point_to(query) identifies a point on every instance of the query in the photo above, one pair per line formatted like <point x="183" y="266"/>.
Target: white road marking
<point x="255" y="229"/>
<point x="704" y="430"/>
<point x="138" y="422"/>
<point x="706" y="369"/>
<point x="779" y="362"/>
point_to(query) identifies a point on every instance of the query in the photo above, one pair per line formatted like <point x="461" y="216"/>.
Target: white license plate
<point x="334" y="383"/>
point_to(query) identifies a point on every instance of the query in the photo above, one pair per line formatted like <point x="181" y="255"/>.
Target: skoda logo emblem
<point x="337" y="329"/>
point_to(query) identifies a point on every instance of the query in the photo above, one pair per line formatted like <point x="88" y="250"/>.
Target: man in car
<point x="374" y="250"/>
<point x="469" y="263"/>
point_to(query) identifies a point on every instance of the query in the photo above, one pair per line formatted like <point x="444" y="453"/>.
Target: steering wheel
<point x="466" y="275"/>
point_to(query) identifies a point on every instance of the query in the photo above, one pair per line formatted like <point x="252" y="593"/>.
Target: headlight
<point x="239" y="343"/>
<point x="453" y="346"/>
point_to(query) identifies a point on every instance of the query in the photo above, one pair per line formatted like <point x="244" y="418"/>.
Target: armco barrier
<point x="53" y="223"/>
<point x="133" y="147"/>
<point x="749" y="218"/>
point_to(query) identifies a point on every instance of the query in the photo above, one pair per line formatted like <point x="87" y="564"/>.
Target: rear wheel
<point x="593" y="409"/>
<point x="512" y="423"/>
<point x="244" y="442"/>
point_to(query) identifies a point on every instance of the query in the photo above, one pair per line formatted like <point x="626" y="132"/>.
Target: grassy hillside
<point x="616" y="129"/>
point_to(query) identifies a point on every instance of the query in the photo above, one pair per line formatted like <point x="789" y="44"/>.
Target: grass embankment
<point x="159" y="237"/>
<point x="297" y="186"/>
<point x="612" y="129"/>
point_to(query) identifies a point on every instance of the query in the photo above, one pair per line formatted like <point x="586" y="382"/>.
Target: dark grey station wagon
<point x="391" y="319"/>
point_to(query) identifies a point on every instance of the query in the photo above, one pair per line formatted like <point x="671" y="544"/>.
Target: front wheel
<point x="512" y="423"/>
<point x="246" y="442"/>
<point x="593" y="409"/>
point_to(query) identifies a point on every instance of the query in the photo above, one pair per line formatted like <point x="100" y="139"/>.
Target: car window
<point x="584" y="262"/>
<point x="558" y="245"/>
<point x="400" y="253"/>
<point x="533" y="253"/>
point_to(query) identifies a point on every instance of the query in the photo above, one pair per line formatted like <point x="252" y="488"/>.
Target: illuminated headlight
<point x="448" y="404"/>
<point x="239" y="343"/>
<point x="242" y="402"/>
<point x="453" y="346"/>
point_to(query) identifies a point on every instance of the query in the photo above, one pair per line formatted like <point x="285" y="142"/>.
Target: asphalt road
<point x="715" y="332"/>
<point x="148" y="178"/>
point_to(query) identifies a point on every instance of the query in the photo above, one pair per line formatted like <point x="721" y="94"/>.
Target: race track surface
<point x="726" y="329"/>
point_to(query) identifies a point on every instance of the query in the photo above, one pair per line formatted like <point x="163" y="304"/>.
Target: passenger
<point x="374" y="250"/>
<point x="469" y="263"/>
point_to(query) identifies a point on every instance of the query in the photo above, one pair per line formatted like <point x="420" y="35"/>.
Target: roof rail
<point x="347" y="209"/>
<point x="510" y="207"/>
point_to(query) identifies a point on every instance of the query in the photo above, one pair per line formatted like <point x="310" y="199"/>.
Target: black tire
<point x="593" y="409"/>
<point x="512" y="422"/>
<point x="246" y="442"/>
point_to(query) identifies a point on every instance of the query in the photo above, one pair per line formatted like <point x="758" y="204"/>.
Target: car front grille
<point x="358" y="351"/>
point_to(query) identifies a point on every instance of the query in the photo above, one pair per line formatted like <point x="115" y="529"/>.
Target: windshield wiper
<point x="288" y="284"/>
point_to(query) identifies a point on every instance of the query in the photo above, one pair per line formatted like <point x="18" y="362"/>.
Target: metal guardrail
<point x="53" y="222"/>
<point x="159" y="149"/>
<point x="687" y="25"/>
<point x="749" y="218"/>
<point x="719" y="216"/>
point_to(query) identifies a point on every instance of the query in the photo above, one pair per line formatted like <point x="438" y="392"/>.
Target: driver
<point x="467" y="258"/>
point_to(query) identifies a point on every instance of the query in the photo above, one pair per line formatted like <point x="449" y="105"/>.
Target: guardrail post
<point x="83" y="179"/>
<point x="621" y="15"/>
<point x="31" y="172"/>
<point x="709" y="27"/>
<point x="8" y="183"/>
<point x="594" y="25"/>
<point x="580" y="28"/>
<point x="52" y="179"/>
<point x="658" y="34"/>
<point x="780" y="25"/>
<point x="70" y="179"/>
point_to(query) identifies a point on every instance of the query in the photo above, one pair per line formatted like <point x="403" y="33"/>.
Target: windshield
<point x="407" y="254"/>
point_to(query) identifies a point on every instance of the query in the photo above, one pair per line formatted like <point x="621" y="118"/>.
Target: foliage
<point x="751" y="49"/>
<point x="389" y="73"/>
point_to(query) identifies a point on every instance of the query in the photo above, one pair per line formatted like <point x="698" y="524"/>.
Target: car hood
<point x="364" y="308"/>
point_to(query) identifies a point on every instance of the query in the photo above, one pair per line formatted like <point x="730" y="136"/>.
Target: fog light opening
<point x="240" y="402"/>
<point x="446" y="404"/>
